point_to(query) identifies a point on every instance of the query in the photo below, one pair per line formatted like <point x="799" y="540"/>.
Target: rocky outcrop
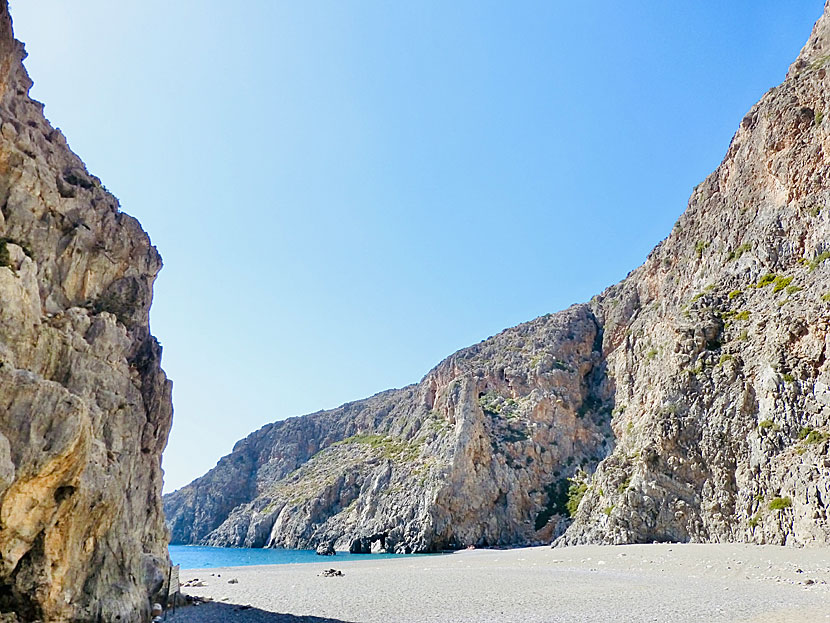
<point x="475" y="453"/>
<point x="84" y="406"/>
<point x="689" y="402"/>
<point x="717" y="345"/>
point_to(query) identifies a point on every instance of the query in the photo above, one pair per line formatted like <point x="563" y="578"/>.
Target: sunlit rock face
<point x="85" y="408"/>
<point x="690" y="402"/>
<point x="474" y="454"/>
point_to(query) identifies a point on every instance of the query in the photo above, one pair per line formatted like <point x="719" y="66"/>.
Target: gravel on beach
<point x="716" y="583"/>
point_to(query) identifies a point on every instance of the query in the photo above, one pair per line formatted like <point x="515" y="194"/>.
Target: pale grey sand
<point x="631" y="583"/>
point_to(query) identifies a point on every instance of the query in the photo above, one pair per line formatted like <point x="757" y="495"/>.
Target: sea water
<point x="198" y="557"/>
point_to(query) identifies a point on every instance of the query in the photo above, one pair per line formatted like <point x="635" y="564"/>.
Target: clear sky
<point x="344" y="193"/>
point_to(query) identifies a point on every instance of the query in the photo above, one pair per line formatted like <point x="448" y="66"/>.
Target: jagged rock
<point x="84" y="406"/>
<point x="690" y="402"/>
<point x="326" y="549"/>
<point x="720" y="364"/>
<point x="472" y="454"/>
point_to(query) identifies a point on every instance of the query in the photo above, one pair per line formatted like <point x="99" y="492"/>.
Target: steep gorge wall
<point x="85" y="409"/>
<point x="691" y="401"/>
<point x="717" y="345"/>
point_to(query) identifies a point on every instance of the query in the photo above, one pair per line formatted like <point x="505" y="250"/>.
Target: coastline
<point x="729" y="583"/>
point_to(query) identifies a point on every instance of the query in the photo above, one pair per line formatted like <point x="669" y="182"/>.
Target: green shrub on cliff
<point x="780" y="503"/>
<point x="575" y="494"/>
<point x="777" y="282"/>
<point x="738" y="252"/>
<point x="815" y="263"/>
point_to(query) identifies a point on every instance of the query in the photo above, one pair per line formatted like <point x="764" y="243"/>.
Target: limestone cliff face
<point x="84" y="406"/>
<point x="718" y="345"/>
<point x="475" y="453"/>
<point x="689" y="402"/>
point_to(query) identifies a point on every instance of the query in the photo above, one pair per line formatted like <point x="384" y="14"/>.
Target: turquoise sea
<point x="197" y="557"/>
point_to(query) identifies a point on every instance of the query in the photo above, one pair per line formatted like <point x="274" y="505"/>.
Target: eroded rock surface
<point x="84" y="406"/>
<point x="717" y="345"/>
<point x="475" y="453"/>
<point x="690" y="402"/>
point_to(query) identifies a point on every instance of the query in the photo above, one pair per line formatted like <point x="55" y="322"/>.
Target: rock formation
<point x="717" y="346"/>
<point x="84" y="406"/>
<point x="475" y="453"/>
<point x="690" y="402"/>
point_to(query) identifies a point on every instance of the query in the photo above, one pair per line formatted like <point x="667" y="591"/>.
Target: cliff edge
<point x="85" y="409"/>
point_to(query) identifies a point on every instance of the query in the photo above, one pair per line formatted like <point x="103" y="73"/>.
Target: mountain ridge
<point x="688" y="402"/>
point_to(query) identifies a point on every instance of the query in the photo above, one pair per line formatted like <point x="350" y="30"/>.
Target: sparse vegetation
<point x="561" y="365"/>
<point x="390" y="447"/>
<point x="607" y="510"/>
<point x="793" y="289"/>
<point x="669" y="409"/>
<point x="812" y="436"/>
<point x="576" y="491"/>
<point x="698" y="369"/>
<point x="780" y="503"/>
<point x="700" y="247"/>
<point x="777" y="282"/>
<point x="735" y="315"/>
<point x="781" y="283"/>
<point x="817" y="261"/>
<point x="820" y="62"/>
<point x="495" y="405"/>
<point x="826" y="297"/>
<point x="624" y="485"/>
<point x="819" y="117"/>
<point x="756" y="519"/>
<point x="724" y="358"/>
<point x="651" y="354"/>
<point x="5" y="259"/>
<point x="26" y="250"/>
<point x="734" y="293"/>
<point x="788" y="378"/>
<point x="557" y="500"/>
<point x="768" y="424"/>
<point x="765" y="280"/>
<point x="738" y="252"/>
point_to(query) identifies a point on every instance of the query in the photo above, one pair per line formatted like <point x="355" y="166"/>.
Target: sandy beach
<point x="633" y="583"/>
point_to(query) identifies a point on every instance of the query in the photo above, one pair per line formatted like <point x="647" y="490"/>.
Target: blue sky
<point x="344" y="193"/>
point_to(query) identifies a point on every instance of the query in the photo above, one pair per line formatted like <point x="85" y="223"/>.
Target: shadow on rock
<point x="215" y="612"/>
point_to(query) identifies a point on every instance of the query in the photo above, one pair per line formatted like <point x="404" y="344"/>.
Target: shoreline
<point x="728" y="583"/>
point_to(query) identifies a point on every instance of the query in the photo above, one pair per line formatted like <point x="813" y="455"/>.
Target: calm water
<point x="197" y="557"/>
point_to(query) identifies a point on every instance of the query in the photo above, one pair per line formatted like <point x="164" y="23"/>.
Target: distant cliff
<point x="691" y="401"/>
<point x="472" y="454"/>
<point x="84" y="406"/>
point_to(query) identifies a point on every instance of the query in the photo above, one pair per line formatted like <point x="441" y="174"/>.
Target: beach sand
<point x="627" y="583"/>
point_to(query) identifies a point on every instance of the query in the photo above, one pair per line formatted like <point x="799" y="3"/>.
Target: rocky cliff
<point x="690" y="402"/>
<point x="717" y="346"/>
<point x="472" y="454"/>
<point x="84" y="406"/>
